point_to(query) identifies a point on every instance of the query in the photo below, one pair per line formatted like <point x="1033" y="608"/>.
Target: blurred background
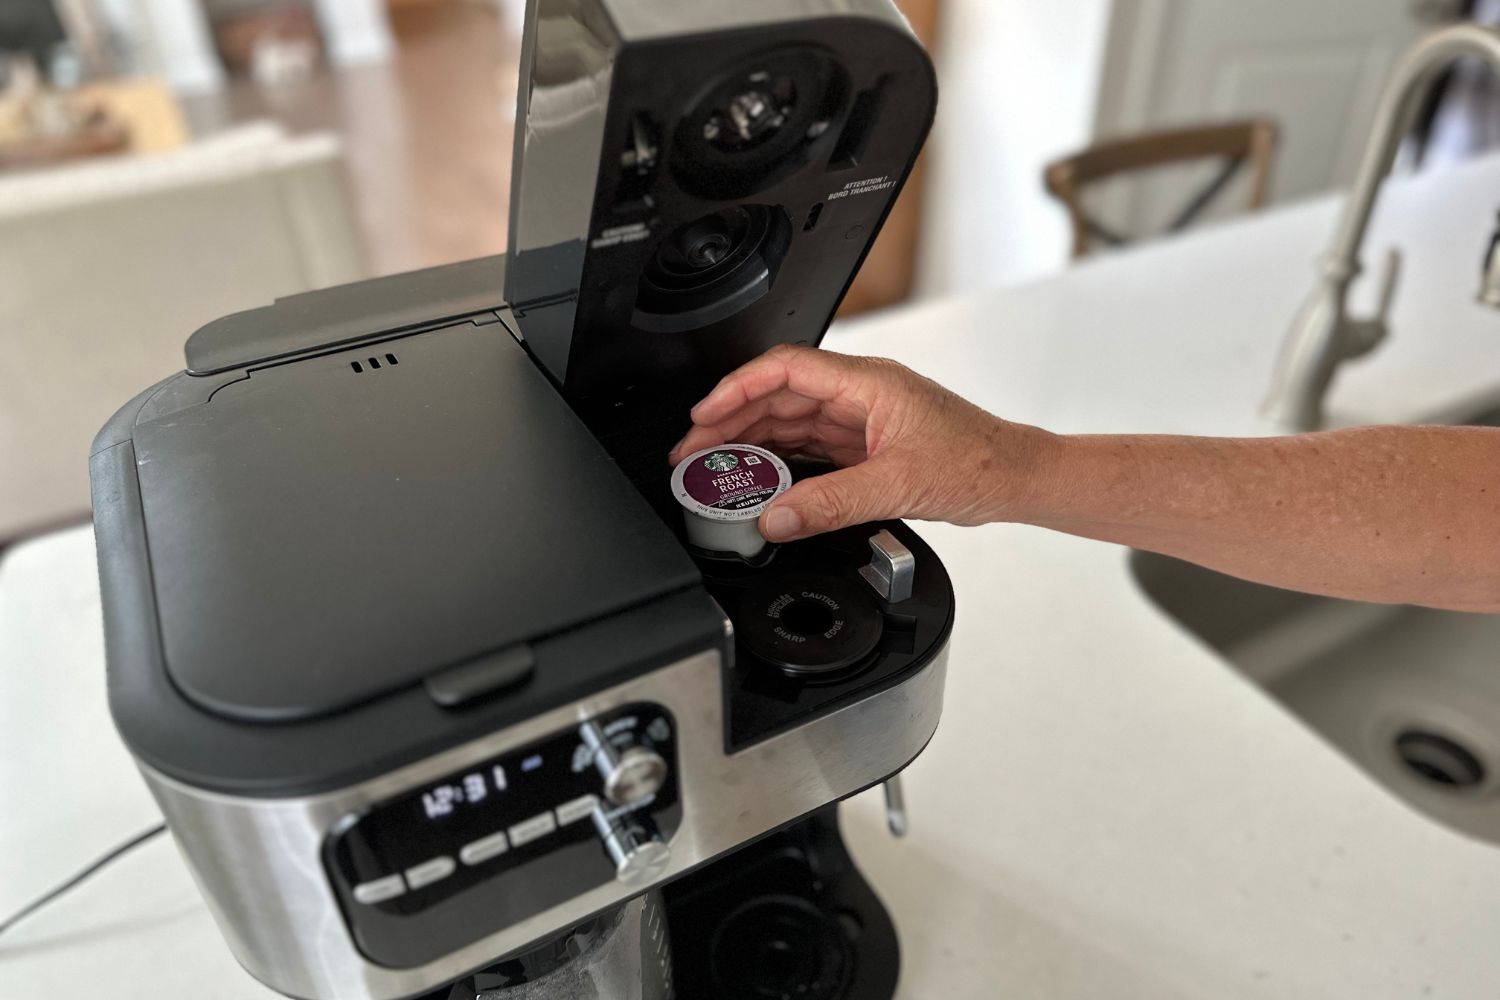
<point x="163" y="162"/>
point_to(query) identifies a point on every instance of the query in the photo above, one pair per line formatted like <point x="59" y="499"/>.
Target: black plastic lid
<point x="322" y="535"/>
<point x="345" y="313"/>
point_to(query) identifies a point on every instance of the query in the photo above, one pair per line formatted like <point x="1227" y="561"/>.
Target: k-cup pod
<point x="723" y="491"/>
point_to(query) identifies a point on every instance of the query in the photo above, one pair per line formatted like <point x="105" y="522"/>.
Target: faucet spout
<point x="1323" y="335"/>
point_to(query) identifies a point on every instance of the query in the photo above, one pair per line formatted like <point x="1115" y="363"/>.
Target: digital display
<point x="492" y="843"/>
<point x="472" y="789"/>
<point x="518" y="819"/>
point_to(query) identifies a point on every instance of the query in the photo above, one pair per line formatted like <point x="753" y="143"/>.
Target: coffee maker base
<point x="623" y="953"/>
<point x="788" y="918"/>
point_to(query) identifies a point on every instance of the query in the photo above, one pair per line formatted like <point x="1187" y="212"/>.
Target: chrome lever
<point x="1390" y="277"/>
<point x="895" y="806"/>
<point x="892" y="567"/>
<point x="1363" y="336"/>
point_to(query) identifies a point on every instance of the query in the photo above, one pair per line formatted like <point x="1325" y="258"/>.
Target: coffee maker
<point x="402" y="626"/>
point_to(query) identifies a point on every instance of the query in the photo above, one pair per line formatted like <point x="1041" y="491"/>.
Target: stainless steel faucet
<point x="1324" y="335"/>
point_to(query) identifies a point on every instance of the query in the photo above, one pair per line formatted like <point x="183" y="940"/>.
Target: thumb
<point x="828" y="502"/>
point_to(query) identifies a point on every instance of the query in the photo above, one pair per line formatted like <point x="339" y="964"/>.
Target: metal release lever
<point x="895" y="806"/>
<point x="892" y="567"/>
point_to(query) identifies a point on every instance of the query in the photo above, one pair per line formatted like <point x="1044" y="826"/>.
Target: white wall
<point x="1020" y="81"/>
<point x="175" y="41"/>
<point x="178" y="44"/>
<point x="355" y="31"/>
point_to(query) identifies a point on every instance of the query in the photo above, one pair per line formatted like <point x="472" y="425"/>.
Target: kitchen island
<point x="1108" y="809"/>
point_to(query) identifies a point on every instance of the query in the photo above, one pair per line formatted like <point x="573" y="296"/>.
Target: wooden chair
<point x="1251" y="142"/>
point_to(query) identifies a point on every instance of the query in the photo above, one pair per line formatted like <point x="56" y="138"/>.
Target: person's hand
<point x="906" y="446"/>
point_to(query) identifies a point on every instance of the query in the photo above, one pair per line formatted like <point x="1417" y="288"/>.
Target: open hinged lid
<point x="324" y="531"/>
<point x="651" y="250"/>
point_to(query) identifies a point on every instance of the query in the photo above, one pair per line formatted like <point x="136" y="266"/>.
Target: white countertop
<point x="1108" y="809"/>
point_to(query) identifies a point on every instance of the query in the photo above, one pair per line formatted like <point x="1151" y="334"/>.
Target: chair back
<point x="1240" y="144"/>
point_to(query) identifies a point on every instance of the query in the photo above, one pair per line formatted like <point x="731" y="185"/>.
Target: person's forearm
<point x="1388" y="514"/>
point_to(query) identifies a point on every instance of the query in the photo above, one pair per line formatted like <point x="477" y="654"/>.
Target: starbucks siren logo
<point x="720" y="461"/>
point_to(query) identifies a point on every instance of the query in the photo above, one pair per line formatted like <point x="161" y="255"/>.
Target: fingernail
<point x="782" y="523"/>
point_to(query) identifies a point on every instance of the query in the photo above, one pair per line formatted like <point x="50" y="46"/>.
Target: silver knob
<point x="634" y="845"/>
<point x="629" y="775"/>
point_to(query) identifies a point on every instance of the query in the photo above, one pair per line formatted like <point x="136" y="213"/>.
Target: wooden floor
<point x="428" y="141"/>
<point x="428" y="135"/>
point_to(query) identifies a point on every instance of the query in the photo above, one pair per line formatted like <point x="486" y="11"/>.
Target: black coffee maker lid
<point x="325" y="531"/>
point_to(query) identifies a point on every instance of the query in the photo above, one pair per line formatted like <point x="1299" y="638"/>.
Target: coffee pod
<point x="723" y="491"/>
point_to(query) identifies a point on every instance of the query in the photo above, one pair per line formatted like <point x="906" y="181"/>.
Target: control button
<point x="484" y="848"/>
<point x="630" y="775"/>
<point x="526" y="831"/>
<point x="379" y="890"/>
<point x="579" y="808"/>
<point x="633" y="844"/>
<point x="429" y="872"/>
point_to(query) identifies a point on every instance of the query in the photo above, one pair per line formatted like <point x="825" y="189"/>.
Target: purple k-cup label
<point x="731" y="478"/>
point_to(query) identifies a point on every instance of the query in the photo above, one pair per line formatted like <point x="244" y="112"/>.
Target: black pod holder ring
<point x="810" y="624"/>
<point x="814" y="631"/>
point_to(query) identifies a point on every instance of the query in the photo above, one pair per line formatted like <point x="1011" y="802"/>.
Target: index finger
<point x="807" y="372"/>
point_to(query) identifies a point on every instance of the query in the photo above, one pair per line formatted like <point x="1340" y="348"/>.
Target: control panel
<point x="489" y="845"/>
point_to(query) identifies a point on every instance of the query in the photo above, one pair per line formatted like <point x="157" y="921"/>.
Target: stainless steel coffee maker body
<point x="402" y="627"/>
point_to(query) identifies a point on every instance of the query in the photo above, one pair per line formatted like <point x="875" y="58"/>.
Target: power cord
<point x="46" y="898"/>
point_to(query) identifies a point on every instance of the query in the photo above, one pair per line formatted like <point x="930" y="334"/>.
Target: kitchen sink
<point x="1410" y="695"/>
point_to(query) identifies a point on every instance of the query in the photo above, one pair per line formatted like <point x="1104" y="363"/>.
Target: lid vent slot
<point x="374" y="364"/>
